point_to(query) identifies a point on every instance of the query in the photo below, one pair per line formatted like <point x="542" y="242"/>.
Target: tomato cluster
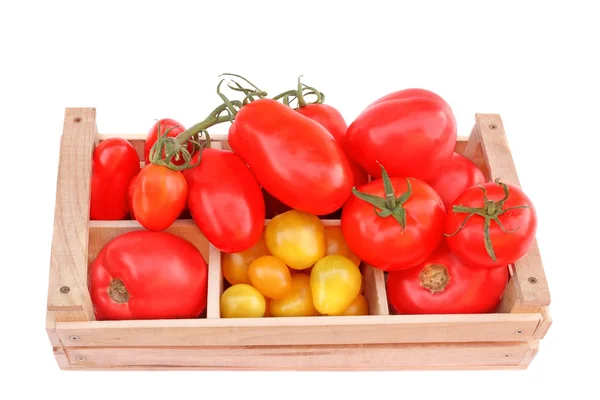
<point x="407" y="202"/>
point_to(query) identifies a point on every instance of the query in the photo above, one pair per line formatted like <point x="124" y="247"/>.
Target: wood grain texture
<point x="61" y="358"/>
<point x="375" y="292"/>
<point x="528" y="272"/>
<point x="544" y="325"/>
<point x="68" y="297"/>
<point x="215" y="284"/>
<point x="302" y="330"/>
<point x="307" y="357"/>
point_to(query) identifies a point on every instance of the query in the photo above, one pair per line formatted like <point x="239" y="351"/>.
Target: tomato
<point x="174" y="128"/>
<point x="396" y="233"/>
<point x="334" y="122"/>
<point x="336" y="244"/>
<point x="115" y="162"/>
<point x="458" y="175"/>
<point x="412" y="93"/>
<point x="148" y="275"/>
<point x="270" y="276"/>
<point x="298" y="302"/>
<point x="293" y="157"/>
<point x="443" y="285"/>
<point x="296" y="238"/>
<point x="159" y="196"/>
<point x="225" y="200"/>
<point x="267" y="307"/>
<point x="491" y="225"/>
<point x="242" y="301"/>
<point x="235" y="265"/>
<point x="412" y="136"/>
<point x="130" y="189"/>
<point x="358" y="307"/>
<point x="334" y="282"/>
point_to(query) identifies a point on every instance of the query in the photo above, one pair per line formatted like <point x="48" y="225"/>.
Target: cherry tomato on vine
<point x="411" y="132"/>
<point x="358" y="307"/>
<point x="491" y="226"/>
<point x="235" y="265"/>
<point x="335" y="243"/>
<point x="296" y="238"/>
<point x="159" y="196"/>
<point x="174" y="128"/>
<point x="298" y="302"/>
<point x="456" y="177"/>
<point x="242" y="301"/>
<point x="393" y="223"/>
<point x="334" y="282"/>
<point x="443" y="285"/>
<point x="115" y="162"/>
<point x="271" y="277"/>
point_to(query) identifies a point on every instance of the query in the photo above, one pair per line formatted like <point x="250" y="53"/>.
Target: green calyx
<point x="491" y="211"/>
<point x="300" y="93"/>
<point x="390" y="205"/>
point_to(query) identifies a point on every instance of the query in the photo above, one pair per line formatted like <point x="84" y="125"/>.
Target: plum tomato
<point x="270" y="276"/>
<point x="334" y="282"/>
<point x="242" y="301"/>
<point x="173" y="128"/>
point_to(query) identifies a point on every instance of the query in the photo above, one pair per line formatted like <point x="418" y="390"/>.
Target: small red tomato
<point x="443" y="285"/>
<point x="130" y="189"/>
<point x="458" y="175"/>
<point x="491" y="226"/>
<point x="159" y="196"/>
<point x="175" y="129"/>
<point x="114" y="164"/>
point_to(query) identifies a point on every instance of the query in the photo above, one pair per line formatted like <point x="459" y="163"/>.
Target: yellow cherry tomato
<point x="270" y="276"/>
<point x="298" y="303"/>
<point x="235" y="265"/>
<point x="358" y="307"/>
<point x="335" y="282"/>
<point x="335" y="244"/>
<point x="296" y="238"/>
<point x="242" y="301"/>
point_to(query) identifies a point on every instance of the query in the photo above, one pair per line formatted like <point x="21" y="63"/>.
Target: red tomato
<point x="165" y="124"/>
<point x="293" y="157"/>
<point x="114" y="164"/>
<point x="412" y="93"/>
<point x="503" y="210"/>
<point x="159" y="196"/>
<point x="148" y="275"/>
<point x="458" y="175"/>
<point x="443" y="285"/>
<point x="130" y="189"/>
<point x="334" y="122"/>
<point x="412" y="136"/>
<point x="373" y="227"/>
<point x="225" y="200"/>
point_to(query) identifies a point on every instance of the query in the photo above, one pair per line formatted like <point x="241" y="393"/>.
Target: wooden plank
<point x="51" y="330"/>
<point x="215" y="284"/>
<point x="374" y="368"/>
<point x="306" y="357"/>
<point x="528" y="359"/>
<point x="68" y="297"/>
<point x="61" y="358"/>
<point x="375" y="292"/>
<point x="528" y="272"/>
<point x="544" y="325"/>
<point x="302" y="330"/>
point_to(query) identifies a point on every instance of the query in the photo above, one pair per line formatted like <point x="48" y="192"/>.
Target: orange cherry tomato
<point x="335" y="282"/>
<point x="358" y="307"/>
<point x="270" y="276"/>
<point x="235" y="265"/>
<point x="242" y="301"/>
<point x="298" y="303"/>
<point x="335" y="244"/>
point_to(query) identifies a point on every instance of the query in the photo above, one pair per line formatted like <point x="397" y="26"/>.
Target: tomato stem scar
<point x="118" y="292"/>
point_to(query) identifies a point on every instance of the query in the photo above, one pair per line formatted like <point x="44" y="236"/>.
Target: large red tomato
<point x="443" y="285"/>
<point x="174" y="128"/>
<point x="148" y="275"/>
<point x="225" y="200"/>
<point x="491" y="225"/>
<point x="393" y="223"/>
<point x="334" y="122"/>
<point x="293" y="157"/>
<point x="413" y="136"/>
<point x="458" y="175"/>
<point x="114" y="164"/>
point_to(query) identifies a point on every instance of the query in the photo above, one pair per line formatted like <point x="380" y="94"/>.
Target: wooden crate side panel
<point x="306" y="358"/>
<point x="68" y="297"/>
<point x="302" y="330"/>
<point x="215" y="284"/>
<point x="375" y="292"/>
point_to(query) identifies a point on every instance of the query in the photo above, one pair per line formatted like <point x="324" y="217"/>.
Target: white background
<point x="532" y="62"/>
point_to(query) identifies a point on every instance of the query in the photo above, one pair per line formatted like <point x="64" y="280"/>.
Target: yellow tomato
<point x="296" y="238"/>
<point x="270" y="276"/>
<point x="358" y="307"/>
<point x="298" y="303"/>
<point x="235" y="265"/>
<point x="335" y="244"/>
<point x="242" y="301"/>
<point x="335" y="282"/>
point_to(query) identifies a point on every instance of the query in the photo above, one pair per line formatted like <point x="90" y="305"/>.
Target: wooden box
<point x="507" y="339"/>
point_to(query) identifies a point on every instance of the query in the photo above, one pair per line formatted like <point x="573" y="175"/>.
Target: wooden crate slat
<point x="68" y="297"/>
<point x="302" y="330"/>
<point x="215" y="284"/>
<point x="307" y="357"/>
<point x="375" y="292"/>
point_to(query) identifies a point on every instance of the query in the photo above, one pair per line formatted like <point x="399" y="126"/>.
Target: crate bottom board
<point x="442" y="356"/>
